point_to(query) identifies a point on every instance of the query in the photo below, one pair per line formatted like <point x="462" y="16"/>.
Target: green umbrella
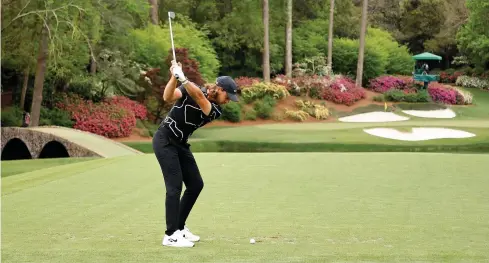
<point x="426" y="56"/>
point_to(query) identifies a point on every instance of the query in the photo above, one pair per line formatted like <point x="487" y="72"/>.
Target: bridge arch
<point x="54" y="149"/>
<point x="56" y="142"/>
<point x="16" y="149"/>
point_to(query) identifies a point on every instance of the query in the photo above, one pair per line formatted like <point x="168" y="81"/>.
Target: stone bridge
<point x="58" y="142"/>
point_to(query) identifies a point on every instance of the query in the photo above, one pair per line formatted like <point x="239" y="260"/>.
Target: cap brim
<point x="233" y="97"/>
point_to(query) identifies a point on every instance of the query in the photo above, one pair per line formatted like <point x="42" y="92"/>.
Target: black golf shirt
<point x="186" y="116"/>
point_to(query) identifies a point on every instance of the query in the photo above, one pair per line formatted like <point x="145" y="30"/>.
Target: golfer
<point x="194" y="107"/>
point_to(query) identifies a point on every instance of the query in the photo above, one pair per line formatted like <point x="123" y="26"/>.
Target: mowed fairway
<point x="300" y="207"/>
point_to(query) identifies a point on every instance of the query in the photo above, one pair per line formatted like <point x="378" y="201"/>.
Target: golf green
<point x="300" y="207"/>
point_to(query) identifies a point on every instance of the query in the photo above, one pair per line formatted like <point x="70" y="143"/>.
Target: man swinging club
<point x="194" y="107"/>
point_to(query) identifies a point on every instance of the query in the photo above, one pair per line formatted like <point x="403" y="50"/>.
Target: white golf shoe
<point x="188" y="235"/>
<point x="177" y="240"/>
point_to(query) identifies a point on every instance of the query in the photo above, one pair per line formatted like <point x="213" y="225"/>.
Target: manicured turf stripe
<point x="301" y="207"/>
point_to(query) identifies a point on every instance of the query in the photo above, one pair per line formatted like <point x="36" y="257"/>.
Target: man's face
<point x="222" y="96"/>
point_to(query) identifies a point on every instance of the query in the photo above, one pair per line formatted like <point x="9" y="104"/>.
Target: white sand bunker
<point x="376" y="116"/>
<point x="442" y="114"/>
<point x="419" y="134"/>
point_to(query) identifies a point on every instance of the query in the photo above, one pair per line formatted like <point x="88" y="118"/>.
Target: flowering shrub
<point x="317" y="111"/>
<point x="261" y="89"/>
<point x="443" y="95"/>
<point x="448" y="95"/>
<point x="106" y="118"/>
<point x="299" y="115"/>
<point x="385" y="83"/>
<point x="246" y="81"/>
<point x="343" y="91"/>
<point x="446" y="77"/>
<point x="311" y="86"/>
<point x="463" y="97"/>
<point x="407" y="79"/>
<point x="139" y="110"/>
<point x="472" y="82"/>
<point x="108" y="121"/>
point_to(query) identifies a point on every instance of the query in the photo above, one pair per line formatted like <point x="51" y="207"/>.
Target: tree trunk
<point x="24" y="87"/>
<point x="330" y="37"/>
<point x="39" y="79"/>
<point x="93" y="66"/>
<point x="288" y="56"/>
<point x="154" y="11"/>
<point x="266" y="51"/>
<point x="447" y="59"/>
<point x="362" y="44"/>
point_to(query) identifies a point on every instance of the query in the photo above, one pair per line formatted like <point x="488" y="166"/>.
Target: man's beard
<point x="212" y="93"/>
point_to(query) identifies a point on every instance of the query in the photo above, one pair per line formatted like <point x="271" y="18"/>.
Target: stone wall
<point x="35" y="142"/>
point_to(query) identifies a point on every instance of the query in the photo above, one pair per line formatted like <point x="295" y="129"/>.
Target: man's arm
<point x="171" y="92"/>
<point x="192" y="90"/>
<point x="198" y="97"/>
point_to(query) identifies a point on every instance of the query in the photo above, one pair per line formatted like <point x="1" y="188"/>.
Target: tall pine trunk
<point x="24" y="87"/>
<point x="330" y="37"/>
<point x="154" y="11"/>
<point x="361" y="51"/>
<point x="288" y="36"/>
<point x="93" y="66"/>
<point x="39" y="79"/>
<point x="266" y="48"/>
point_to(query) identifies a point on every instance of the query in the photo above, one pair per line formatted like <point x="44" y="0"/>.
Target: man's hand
<point x="177" y="71"/>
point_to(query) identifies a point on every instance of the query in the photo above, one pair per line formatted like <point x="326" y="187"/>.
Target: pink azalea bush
<point x="385" y="83"/>
<point x="139" y="110"/>
<point x="112" y="118"/>
<point x="246" y="81"/>
<point x="442" y="94"/>
<point x="311" y="86"/>
<point x="343" y="91"/>
<point x="446" y="77"/>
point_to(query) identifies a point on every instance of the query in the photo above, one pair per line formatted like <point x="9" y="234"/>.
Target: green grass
<point x="480" y="109"/>
<point x="22" y="166"/>
<point x="333" y="137"/>
<point x="374" y="207"/>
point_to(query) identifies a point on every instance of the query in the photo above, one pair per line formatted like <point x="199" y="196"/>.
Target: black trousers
<point x="178" y="166"/>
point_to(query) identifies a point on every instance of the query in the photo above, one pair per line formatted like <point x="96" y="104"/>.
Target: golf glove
<point x="178" y="73"/>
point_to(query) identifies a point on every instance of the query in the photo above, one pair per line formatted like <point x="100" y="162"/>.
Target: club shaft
<point x="171" y="36"/>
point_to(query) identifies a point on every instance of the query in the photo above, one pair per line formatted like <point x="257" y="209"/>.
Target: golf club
<point x="171" y="15"/>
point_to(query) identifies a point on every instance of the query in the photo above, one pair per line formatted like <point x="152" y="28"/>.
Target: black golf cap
<point x="227" y="83"/>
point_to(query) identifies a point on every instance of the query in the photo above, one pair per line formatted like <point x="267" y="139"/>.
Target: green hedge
<point x="399" y="96"/>
<point x="399" y="60"/>
<point x="12" y="117"/>
<point x="345" y="59"/>
<point x="383" y="54"/>
<point x="55" y="117"/>
<point x="231" y="112"/>
<point x="232" y="146"/>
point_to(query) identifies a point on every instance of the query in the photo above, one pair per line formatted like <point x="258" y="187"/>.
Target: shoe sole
<point x="192" y="240"/>
<point x="170" y="245"/>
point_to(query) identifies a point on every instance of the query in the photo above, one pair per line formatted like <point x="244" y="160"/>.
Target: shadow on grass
<point x="235" y="146"/>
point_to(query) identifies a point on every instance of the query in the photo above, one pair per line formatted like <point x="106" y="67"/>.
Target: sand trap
<point x="419" y="134"/>
<point x="376" y="116"/>
<point x="442" y="114"/>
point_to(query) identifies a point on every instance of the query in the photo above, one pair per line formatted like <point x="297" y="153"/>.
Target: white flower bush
<point x="472" y="82"/>
<point x="468" y="97"/>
